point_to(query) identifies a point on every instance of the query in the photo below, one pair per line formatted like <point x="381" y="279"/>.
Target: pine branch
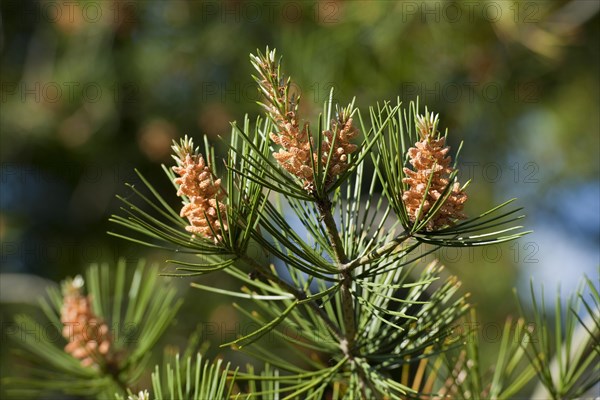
<point x="348" y="308"/>
<point x="376" y="254"/>
<point x="299" y="295"/>
<point x="95" y="361"/>
<point x="569" y="365"/>
<point x="386" y="315"/>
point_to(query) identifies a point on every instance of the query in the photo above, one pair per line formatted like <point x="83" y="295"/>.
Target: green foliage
<point x="137" y="311"/>
<point x="566" y="358"/>
<point x="193" y="379"/>
<point x="389" y="162"/>
<point x="399" y="316"/>
<point x="165" y="227"/>
<point x="357" y="310"/>
<point x="468" y="378"/>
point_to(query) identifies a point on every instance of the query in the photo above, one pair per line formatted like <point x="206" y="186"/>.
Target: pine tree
<point x="379" y="323"/>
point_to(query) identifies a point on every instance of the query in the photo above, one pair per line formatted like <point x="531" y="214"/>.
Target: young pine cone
<point x="205" y="194"/>
<point x="88" y="335"/>
<point x="430" y="161"/>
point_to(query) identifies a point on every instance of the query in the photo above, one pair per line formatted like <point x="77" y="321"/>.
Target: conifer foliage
<point x="377" y="322"/>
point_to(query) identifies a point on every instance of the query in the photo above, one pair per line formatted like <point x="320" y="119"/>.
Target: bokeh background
<point x="91" y="90"/>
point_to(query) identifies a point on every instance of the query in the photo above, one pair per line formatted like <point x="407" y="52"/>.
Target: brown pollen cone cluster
<point x="341" y="143"/>
<point x="294" y="154"/>
<point x="295" y="151"/>
<point x="205" y="194"/>
<point x="430" y="160"/>
<point x="88" y="335"/>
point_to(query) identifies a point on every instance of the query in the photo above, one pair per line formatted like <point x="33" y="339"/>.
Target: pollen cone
<point x="205" y="193"/>
<point x="88" y="335"/>
<point x="430" y="161"/>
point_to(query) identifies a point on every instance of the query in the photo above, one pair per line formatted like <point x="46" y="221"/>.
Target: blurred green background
<point x="92" y="89"/>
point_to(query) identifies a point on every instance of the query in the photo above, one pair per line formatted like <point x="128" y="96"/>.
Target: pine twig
<point x="264" y="271"/>
<point x="377" y="253"/>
